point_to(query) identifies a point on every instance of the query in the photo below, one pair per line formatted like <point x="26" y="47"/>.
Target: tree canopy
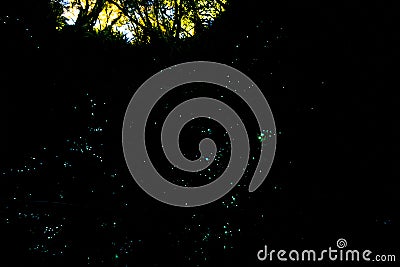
<point x="141" y="21"/>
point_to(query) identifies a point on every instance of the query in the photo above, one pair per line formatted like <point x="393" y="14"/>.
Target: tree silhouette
<point x="143" y="21"/>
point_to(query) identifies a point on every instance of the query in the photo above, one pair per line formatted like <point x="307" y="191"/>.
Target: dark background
<point x="67" y="198"/>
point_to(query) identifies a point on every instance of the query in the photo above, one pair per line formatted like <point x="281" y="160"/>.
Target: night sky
<point x="67" y="197"/>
